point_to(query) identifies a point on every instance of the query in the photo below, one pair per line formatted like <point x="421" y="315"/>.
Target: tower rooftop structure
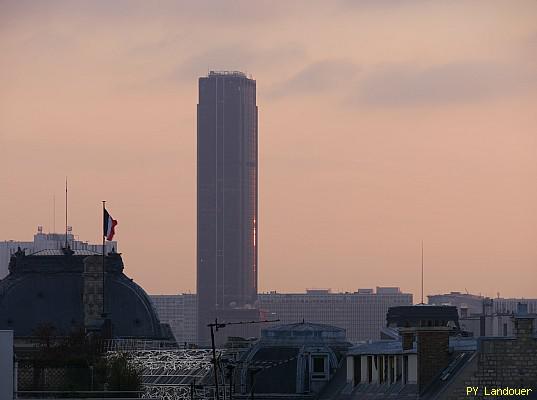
<point x="237" y="74"/>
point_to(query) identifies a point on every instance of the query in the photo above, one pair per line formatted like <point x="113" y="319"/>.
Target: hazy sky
<point x="381" y="123"/>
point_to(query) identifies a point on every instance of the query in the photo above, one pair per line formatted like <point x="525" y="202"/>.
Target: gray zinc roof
<point x="59" y="252"/>
<point x="380" y="347"/>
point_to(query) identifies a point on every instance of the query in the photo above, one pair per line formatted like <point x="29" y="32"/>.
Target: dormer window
<point x="319" y="367"/>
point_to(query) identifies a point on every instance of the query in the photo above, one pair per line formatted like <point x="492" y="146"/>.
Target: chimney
<point x="523" y="322"/>
<point x="433" y="353"/>
<point x="407" y="338"/>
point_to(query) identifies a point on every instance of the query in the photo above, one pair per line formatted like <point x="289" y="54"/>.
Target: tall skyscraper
<point x="227" y="199"/>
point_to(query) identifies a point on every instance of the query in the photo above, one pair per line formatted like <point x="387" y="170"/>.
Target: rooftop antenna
<point x="422" y="272"/>
<point x="219" y="325"/>
<point x="53" y="213"/>
<point x="66" y="243"/>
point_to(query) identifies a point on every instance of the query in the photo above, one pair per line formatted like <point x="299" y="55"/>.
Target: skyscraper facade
<point x="226" y="198"/>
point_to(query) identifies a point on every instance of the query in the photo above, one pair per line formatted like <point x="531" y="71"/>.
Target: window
<point x="357" y="363"/>
<point x="405" y="370"/>
<point x="369" y="369"/>
<point x="319" y="367"/>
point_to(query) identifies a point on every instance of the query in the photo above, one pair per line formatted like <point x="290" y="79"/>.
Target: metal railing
<point x="77" y="394"/>
<point x="127" y="345"/>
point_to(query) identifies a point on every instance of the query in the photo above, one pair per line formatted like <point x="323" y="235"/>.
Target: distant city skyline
<point x="382" y="124"/>
<point x="362" y="313"/>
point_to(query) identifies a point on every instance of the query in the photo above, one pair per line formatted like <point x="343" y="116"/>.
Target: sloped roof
<point x="59" y="252"/>
<point x="380" y="347"/>
<point x="305" y="326"/>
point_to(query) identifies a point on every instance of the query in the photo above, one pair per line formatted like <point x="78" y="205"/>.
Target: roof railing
<point x="228" y="73"/>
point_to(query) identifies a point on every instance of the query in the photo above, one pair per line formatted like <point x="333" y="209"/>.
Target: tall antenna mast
<point x="66" y="243"/>
<point x="422" y="272"/>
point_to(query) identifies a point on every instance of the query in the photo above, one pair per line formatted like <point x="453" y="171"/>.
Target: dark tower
<point x="227" y="199"/>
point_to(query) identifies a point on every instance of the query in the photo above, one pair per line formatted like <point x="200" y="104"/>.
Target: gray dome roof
<point x="47" y="288"/>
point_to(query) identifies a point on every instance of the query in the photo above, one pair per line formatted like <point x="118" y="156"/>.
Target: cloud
<point x="401" y="85"/>
<point x="217" y="12"/>
<point x="317" y="78"/>
<point x="530" y="48"/>
<point x="406" y="85"/>
<point x="377" y="4"/>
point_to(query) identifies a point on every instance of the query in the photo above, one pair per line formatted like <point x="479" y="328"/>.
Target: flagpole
<point x="103" y="233"/>
<point x="422" y="272"/>
<point x="66" y="242"/>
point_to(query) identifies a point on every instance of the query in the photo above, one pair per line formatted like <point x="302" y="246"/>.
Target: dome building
<point x="62" y="289"/>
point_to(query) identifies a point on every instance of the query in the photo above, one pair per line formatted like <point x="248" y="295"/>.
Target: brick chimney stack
<point x="523" y="322"/>
<point x="433" y="353"/>
<point x="407" y="337"/>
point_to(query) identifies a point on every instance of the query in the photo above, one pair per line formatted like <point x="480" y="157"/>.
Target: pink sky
<point x="381" y="124"/>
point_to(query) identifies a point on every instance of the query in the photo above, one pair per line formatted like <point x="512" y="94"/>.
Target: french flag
<point x="109" y="226"/>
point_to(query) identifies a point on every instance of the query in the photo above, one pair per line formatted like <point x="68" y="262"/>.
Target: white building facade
<point x="484" y="316"/>
<point x="469" y="304"/>
<point x="362" y="313"/>
<point x="180" y="312"/>
<point x="46" y="241"/>
<point x="382" y="363"/>
<point x="502" y="305"/>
